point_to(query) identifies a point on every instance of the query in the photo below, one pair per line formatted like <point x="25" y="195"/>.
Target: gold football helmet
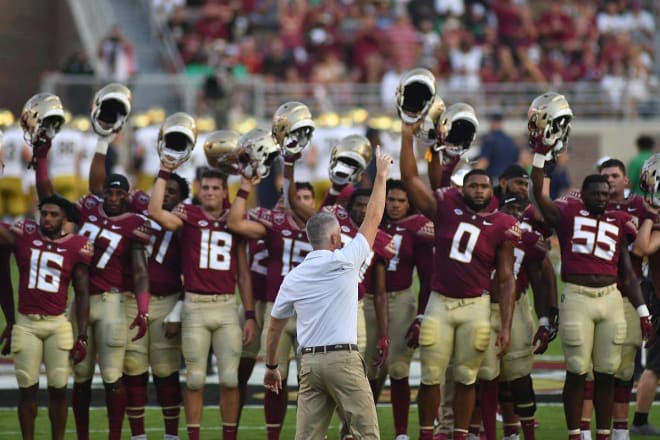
<point x="256" y="151"/>
<point x="457" y="127"/>
<point x="349" y="158"/>
<point x="112" y="105"/>
<point x="220" y="150"/>
<point x="649" y="179"/>
<point x="293" y="127"/>
<point x="428" y="133"/>
<point x="415" y="94"/>
<point x="176" y="138"/>
<point x="549" y="120"/>
<point x="42" y="118"/>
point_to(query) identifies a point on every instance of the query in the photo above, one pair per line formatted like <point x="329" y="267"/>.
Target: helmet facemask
<point x="257" y="152"/>
<point x="415" y="95"/>
<point x="47" y="129"/>
<point x="345" y="170"/>
<point x="296" y="140"/>
<point x="112" y="106"/>
<point x="176" y="139"/>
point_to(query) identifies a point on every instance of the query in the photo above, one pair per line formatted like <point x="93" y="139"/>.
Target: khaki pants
<point x="106" y="330"/>
<point x="41" y="338"/>
<point x="458" y="328"/>
<point x="335" y="380"/>
<point x="288" y="341"/>
<point x="401" y="313"/>
<point x="162" y="353"/>
<point x="631" y="344"/>
<point x="592" y="328"/>
<point x="206" y="320"/>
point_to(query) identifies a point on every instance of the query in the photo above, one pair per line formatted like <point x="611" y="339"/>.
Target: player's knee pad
<point x="228" y="377"/>
<point x="465" y="375"/>
<point x="58" y="376"/>
<point x="481" y="336"/>
<point x="622" y="390"/>
<point x="163" y="368"/>
<point x="114" y="333"/>
<point x="111" y="373"/>
<point x="64" y="334"/>
<point x="398" y="369"/>
<point x="195" y="378"/>
<point x="84" y="371"/>
<point x="524" y="398"/>
<point x="24" y="378"/>
<point x="429" y="333"/>
<point x="488" y="372"/>
<point x="135" y="362"/>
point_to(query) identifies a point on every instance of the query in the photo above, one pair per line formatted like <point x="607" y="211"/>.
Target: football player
<point x="213" y="261"/>
<point x="48" y="259"/>
<point x="647" y="244"/>
<point x="118" y="266"/>
<point x="412" y="235"/>
<point x="161" y="346"/>
<point x="594" y="256"/>
<point x="471" y="240"/>
<point x="15" y="154"/>
<point x="286" y="241"/>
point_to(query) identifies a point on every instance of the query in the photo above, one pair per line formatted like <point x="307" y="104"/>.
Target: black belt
<point x="334" y="347"/>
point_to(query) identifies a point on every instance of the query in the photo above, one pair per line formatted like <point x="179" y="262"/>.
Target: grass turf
<point x="551" y="427"/>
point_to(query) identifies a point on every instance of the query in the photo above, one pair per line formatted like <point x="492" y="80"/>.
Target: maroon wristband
<point x="249" y="314"/>
<point x="244" y="194"/>
<point x="164" y="174"/>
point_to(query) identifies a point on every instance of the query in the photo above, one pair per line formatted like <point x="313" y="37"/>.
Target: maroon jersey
<point x="5" y="267"/>
<point x="163" y="251"/>
<point x="590" y="243"/>
<point x="412" y="237"/>
<point x="209" y="252"/>
<point x="635" y="207"/>
<point x="111" y="267"/>
<point x="529" y="248"/>
<point x="258" y="268"/>
<point x="532" y="221"/>
<point x="383" y="248"/>
<point x="287" y="245"/>
<point x="466" y="245"/>
<point x="45" y="267"/>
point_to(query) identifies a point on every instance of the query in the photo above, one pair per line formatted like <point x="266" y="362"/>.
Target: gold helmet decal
<point x="549" y="121"/>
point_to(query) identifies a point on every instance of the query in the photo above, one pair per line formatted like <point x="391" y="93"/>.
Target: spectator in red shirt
<point x="555" y="27"/>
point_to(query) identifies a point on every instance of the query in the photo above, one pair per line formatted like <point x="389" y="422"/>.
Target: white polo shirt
<point x="322" y="291"/>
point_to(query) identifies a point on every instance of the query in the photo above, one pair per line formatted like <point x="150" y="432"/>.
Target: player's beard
<point x="476" y="207"/>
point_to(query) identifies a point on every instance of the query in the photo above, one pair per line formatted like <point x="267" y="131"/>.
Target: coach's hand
<point x="382" y="349"/>
<point x="412" y="335"/>
<point x="141" y="321"/>
<point x="79" y="350"/>
<point x="5" y="338"/>
<point x="273" y="380"/>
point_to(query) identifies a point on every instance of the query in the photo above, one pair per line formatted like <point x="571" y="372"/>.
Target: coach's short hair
<point x="319" y="228"/>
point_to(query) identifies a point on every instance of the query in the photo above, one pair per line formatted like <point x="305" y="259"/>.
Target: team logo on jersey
<point x="143" y="199"/>
<point x="345" y="229"/>
<point x="278" y="218"/>
<point x="458" y="211"/>
<point x="203" y="223"/>
<point x="37" y="242"/>
<point x="286" y="233"/>
<point x="90" y="203"/>
<point x="583" y="212"/>
<point x="92" y="218"/>
<point x="30" y="228"/>
<point x="342" y="214"/>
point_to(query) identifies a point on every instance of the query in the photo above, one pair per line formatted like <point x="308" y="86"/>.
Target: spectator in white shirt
<point x="322" y="291"/>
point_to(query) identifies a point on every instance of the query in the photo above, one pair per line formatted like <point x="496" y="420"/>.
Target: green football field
<point x="551" y="427"/>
